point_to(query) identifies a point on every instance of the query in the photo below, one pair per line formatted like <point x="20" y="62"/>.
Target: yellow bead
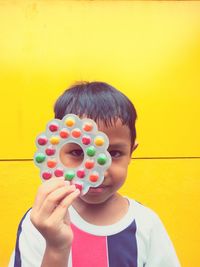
<point x="54" y="140"/>
<point x="99" y="141"/>
<point x="70" y="122"/>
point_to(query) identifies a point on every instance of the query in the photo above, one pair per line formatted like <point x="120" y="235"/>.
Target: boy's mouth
<point x="98" y="189"/>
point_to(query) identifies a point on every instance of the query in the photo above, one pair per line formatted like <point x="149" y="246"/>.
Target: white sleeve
<point x="12" y="258"/>
<point x="30" y="245"/>
<point x="161" y="252"/>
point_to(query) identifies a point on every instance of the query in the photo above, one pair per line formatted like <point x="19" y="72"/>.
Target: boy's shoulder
<point x="144" y="216"/>
<point x="140" y="210"/>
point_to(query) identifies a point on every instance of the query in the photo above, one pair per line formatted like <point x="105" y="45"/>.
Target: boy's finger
<point x="47" y="188"/>
<point x="53" y="199"/>
<point x="61" y="210"/>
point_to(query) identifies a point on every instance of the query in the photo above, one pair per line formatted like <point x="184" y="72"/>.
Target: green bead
<point x="91" y="151"/>
<point x="40" y="157"/>
<point x="102" y="159"/>
<point x="69" y="175"/>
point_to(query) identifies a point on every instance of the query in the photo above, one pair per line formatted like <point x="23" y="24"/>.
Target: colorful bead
<point x="94" y="177"/>
<point x="51" y="163"/>
<point x="99" y="141"/>
<point x="40" y="157"/>
<point x="102" y="159"/>
<point x="86" y="140"/>
<point x="64" y="133"/>
<point x="88" y="127"/>
<point x="70" y="122"/>
<point x="89" y="164"/>
<point x="46" y="175"/>
<point x="58" y="173"/>
<point x="54" y="140"/>
<point x="50" y="151"/>
<point x="42" y="140"/>
<point x="69" y="175"/>
<point x="79" y="186"/>
<point x="91" y="151"/>
<point x="53" y="127"/>
<point x="81" y="173"/>
<point x="76" y="133"/>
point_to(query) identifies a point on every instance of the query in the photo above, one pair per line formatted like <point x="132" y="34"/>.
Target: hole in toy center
<point x="71" y="155"/>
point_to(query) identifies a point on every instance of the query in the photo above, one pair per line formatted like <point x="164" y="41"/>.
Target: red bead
<point x="58" y="172"/>
<point x="86" y="140"/>
<point x="46" y="175"/>
<point x="76" y="133"/>
<point x="50" y="151"/>
<point x="42" y="140"/>
<point x="89" y="164"/>
<point x="80" y="173"/>
<point x="64" y="133"/>
<point x="79" y="186"/>
<point x="88" y="127"/>
<point x="53" y="127"/>
<point x="94" y="177"/>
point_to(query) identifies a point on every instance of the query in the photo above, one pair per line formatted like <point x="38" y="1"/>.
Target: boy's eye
<point x="115" y="153"/>
<point x="77" y="153"/>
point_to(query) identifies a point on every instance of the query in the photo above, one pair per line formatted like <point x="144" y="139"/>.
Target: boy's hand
<point x="50" y="212"/>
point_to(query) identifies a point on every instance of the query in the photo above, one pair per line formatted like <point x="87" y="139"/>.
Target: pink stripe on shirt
<point x="88" y="250"/>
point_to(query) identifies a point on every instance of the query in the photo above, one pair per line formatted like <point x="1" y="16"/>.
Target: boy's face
<point x="120" y="151"/>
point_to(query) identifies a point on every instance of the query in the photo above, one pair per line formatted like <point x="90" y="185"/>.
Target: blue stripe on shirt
<point x="122" y="248"/>
<point x="17" y="262"/>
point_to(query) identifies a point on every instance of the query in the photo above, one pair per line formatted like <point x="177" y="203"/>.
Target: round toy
<point x="82" y="132"/>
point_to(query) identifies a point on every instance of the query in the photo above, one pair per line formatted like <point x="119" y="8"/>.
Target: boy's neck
<point x="106" y="213"/>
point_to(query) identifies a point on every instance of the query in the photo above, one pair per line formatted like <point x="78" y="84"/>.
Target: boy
<point x="101" y="228"/>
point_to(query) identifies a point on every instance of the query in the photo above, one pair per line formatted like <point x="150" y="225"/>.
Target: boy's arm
<point x="161" y="250"/>
<point x="30" y="245"/>
<point x="44" y="235"/>
<point x="50" y="216"/>
<point x="54" y="257"/>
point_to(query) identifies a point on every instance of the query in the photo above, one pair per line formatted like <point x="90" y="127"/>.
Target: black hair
<point x="98" y="101"/>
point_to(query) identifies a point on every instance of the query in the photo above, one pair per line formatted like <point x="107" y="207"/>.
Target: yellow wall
<point x="151" y="52"/>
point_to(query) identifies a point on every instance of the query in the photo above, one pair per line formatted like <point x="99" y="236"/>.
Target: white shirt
<point x="139" y="239"/>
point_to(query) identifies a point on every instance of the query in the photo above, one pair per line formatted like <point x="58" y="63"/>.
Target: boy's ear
<point x="134" y="147"/>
